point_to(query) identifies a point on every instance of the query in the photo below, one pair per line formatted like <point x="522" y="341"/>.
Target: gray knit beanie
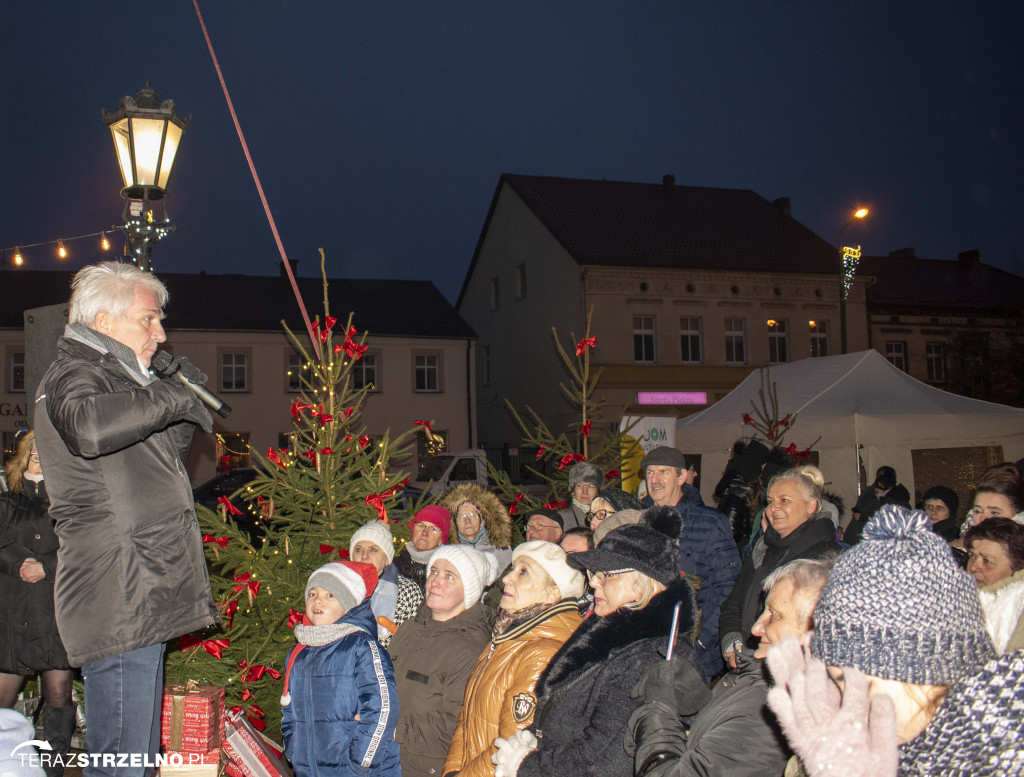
<point x="897" y="606"/>
<point x="585" y="472"/>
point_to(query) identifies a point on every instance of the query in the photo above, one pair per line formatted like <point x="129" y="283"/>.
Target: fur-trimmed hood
<point x="598" y="639"/>
<point x="495" y="517"/>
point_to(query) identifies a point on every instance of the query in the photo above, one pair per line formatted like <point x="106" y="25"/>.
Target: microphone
<point x="162" y="360"/>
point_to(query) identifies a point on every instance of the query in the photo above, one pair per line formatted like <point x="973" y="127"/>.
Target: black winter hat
<point x="947" y="496"/>
<point x="650" y="547"/>
<point x="620" y="500"/>
<point x="547" y="512"/>
<point x="663" y="456"/>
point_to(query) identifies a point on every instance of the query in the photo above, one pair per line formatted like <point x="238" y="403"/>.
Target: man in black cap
<point x="543" y="523"/>
<point x="706" y="546"/>
<point x="888" y="490"/>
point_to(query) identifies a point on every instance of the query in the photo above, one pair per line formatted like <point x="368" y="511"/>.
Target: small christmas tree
<point x="298" y="514"/>
<point x="766" y="422"/>
<point x="566" y="448"/>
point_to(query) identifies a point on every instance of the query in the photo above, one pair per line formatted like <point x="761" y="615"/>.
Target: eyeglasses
<point x="467" y="516"/>
<point x="539" y="526"/>
<point x="600" y="577"/>
<point x="599" y="514"/>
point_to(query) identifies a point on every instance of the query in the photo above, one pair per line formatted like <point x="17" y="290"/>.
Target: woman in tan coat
<point x="538" y="613"/>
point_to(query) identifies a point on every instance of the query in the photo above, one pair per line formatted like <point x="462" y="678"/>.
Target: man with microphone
<point x="112" y="439"/>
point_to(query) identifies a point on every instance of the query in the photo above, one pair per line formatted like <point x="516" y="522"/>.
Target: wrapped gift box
<point x="250" y="754"/>
<point x="192" y="719"/>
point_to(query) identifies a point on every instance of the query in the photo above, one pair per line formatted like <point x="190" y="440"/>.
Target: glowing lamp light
<point x="104" y="243"/>
<point x="62" y="252"/>
<point x="146" y="133"/>
<point x="771" y="322"/>
<point x="18" y="258"/>
<point x="860" y="213"/>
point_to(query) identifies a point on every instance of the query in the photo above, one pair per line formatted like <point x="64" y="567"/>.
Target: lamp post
<point x="146" y="134"/>
<point x="846" y="272"/>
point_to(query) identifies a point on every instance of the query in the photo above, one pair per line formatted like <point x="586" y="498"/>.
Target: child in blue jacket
<point x="340" y="705"/>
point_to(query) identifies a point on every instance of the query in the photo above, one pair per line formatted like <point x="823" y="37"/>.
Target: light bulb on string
<point x="104" y="243"/>
<point x="62" y="252"/>
<point x="18" y="258"/>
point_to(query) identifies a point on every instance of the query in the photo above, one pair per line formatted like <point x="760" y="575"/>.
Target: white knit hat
<point x="476" y="568"/>
<point x="377" y="533"/>
<point x="551" y="558"/>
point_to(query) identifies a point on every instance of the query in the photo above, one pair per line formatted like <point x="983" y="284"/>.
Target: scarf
<point x="507" y="620"/>
<point x="480" y="535"/>
<point x="384" y="598"/>
<point x="318" y="636"/>
<point x="584" y="509"/>
<point x="420" y="556"/>
<point x="104" y="344"/>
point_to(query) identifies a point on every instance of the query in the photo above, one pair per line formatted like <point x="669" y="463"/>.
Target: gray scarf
<point x="318" y="636"/>
<point x="104" y="344"/>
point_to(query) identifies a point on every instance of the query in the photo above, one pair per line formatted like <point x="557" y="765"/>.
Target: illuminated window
<point x="735" y="341"/>
<point x="778" y="341"/>
<point x="819" y="337"/>
<point x="643" y="339"/>
<point x="690" y="340"/>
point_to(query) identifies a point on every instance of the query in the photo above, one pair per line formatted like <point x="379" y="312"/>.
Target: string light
<point x="18" y="260"/>
<point x="62" y="252"/>
<point x="104" y="243"/>
<point x="851" y="258"/>
<point x="60" y="243"/>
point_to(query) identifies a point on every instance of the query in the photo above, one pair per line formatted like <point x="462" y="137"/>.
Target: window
<point x="288" y="441"/>
<point x="735" y="341"/>
<point x="232" y="451"/>
<point x="778" y="341"/>
<point x="234" y="370"/>
<point x="520" y="281"/>
<point x="366" y="372"/>
<point x="427" y="372"/>
<point x="495" y="294"/>
<point x="16" y="371"/>
<point x="689" y="340"/>
<point x="643" y="339"/>
<point x="295" y="373"/>
<point x="428" y="466"/>
<point x="485" y="366"/>
<point x="819" y="337"/>
<point x="935" y="358"/>
<point x="896" y="353"/>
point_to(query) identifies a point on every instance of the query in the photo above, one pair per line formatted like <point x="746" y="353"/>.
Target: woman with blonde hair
<point x="798" y="527"/>
<point x="29" y="642"/>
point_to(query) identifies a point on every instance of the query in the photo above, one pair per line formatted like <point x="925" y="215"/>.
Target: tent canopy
<point x="854" y="402"/>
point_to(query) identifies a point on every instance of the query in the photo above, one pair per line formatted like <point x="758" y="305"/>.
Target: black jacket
<point x="813" y="539"/>
<point x="583" y="697"/>
<point x="131" y="571"/>
<point x="29" y="641"/>
<point x="433" y="661"/>
<point x="409" y="567"/>
<point x="735" y="735"/>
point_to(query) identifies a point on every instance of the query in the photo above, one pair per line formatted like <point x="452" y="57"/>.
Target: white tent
<point x="853" y="402"/>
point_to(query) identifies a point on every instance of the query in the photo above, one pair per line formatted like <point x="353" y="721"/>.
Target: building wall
<point x="263" y="410"/>
<point x="515" y="338"/>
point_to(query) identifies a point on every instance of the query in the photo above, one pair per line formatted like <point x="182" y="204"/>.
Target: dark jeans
<point x="123" y="697"/>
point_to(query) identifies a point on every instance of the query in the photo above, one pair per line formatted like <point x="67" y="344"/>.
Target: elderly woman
<point x="585" y="480"/>
<point x="995" y="552"/>
<point x="797" y="528"/>
<point x="29" y="642"/>
<point x="537" y="614"/>
<point x="583" y="696"/>
<point x="916" y="687"/>
<point x="396" y="598"/>
<point x="607" y="503"/>
<point x="481" y="521"/>
<point x="942" y="505"/>
<point x="434" y="653"/>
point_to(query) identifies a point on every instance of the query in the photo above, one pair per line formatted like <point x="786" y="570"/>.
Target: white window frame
<point x="361" y="367"/>
<point x="645" y="339"/>
<point x="819" y="337"/>
<point x="935" y="359"/>
<point x="246" y="366"/>
<point x="691" y="337"/>
<point x="896" y="353"/>
<point x="421" y="366"/>
<point x="778" y="341"/>
<point x="735" y="337"/>
<point x="16" y="367"/>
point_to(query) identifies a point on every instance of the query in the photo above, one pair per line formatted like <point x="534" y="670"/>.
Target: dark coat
<point x="131" y="571"/>
<point x="29" y="641"/>
<point x="583" y="697"/>
<point x="813" y="539"/>
<point x="707" y="550"/>
<point x="329" y="686"/>
<point x="735" y="735"/>
<point x="409" y="567"/>
<point x="433" y="661"/>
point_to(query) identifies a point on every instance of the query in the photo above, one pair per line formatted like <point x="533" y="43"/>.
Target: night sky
<point x="379" y="129"/>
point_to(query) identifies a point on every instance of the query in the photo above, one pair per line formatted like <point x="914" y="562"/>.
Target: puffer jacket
<point x="131" y="571"/>
<point x="328" y="687"/>
<point x="496" y="529"/>
<point x="583" y="697"/>
<point x="500" y="697"/>
<point x="29" y="641"/>
<point x="433" y="660"/>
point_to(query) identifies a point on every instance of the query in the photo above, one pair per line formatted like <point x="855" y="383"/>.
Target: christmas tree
<point x="298" y="514"/>
<point x="556" y="453"/>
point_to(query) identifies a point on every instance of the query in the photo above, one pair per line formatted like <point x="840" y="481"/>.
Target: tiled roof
<point x="909" y="282"/>
<point x="397" y="308"/>
<point x="659" y="225"/>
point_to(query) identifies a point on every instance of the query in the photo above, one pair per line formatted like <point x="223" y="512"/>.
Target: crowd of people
<point x="774" y="633"/>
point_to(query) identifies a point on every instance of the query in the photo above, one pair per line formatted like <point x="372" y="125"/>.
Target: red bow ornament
<point x="514" y="507"/>
<point x="556" y="505"/>
<point x="227" y="507"/>
<point x="252" y="587"/>
<point x="586" y="344"/>
<point x="585" y="429"/>
<point x="254" y="673"/>
<point x="212" y="646"/>
<point x="294" y="616"/>
<point x="570" y="458"/>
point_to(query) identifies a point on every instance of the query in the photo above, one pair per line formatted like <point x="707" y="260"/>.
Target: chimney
<point x="783" y="205"/>
<point x="968" y="259"/>
<point x="668" y="185"/>
<point x="904" y="253"/>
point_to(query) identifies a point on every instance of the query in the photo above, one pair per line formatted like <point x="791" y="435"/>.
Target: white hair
<point x="109" y="286"/>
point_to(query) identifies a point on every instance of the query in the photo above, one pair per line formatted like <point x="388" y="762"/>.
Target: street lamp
<point x="848" y="258"/>
<point x="146" y="133"/>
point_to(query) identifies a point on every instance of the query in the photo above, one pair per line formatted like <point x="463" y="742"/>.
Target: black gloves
<point x="676" y="683"/>
<point x="192" y="373"/>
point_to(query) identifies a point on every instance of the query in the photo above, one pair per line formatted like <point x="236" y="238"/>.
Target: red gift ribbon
<point x="212" y="646"/>
<point x="376" y="501"/>
<point x="254" y="673"/>
<point x="556" y="505"/>
<point x="542" y="450"/>
<point x="252" y="585"/>
<point x="585" y="429"/>
<point x="325" y="549"/>
<point x="585" y="344"/>
<point x="222" y="541"/>
<point x="230" y="507"/>
<point x="294" y="616"/>
<point x="570" y="458"/>
<point x="514" y="507"/>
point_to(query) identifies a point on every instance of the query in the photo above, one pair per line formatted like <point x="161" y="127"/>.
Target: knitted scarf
<point x="104" y="344"/>
<point x="420" y="556"/>
<point x="318" y="636"/>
